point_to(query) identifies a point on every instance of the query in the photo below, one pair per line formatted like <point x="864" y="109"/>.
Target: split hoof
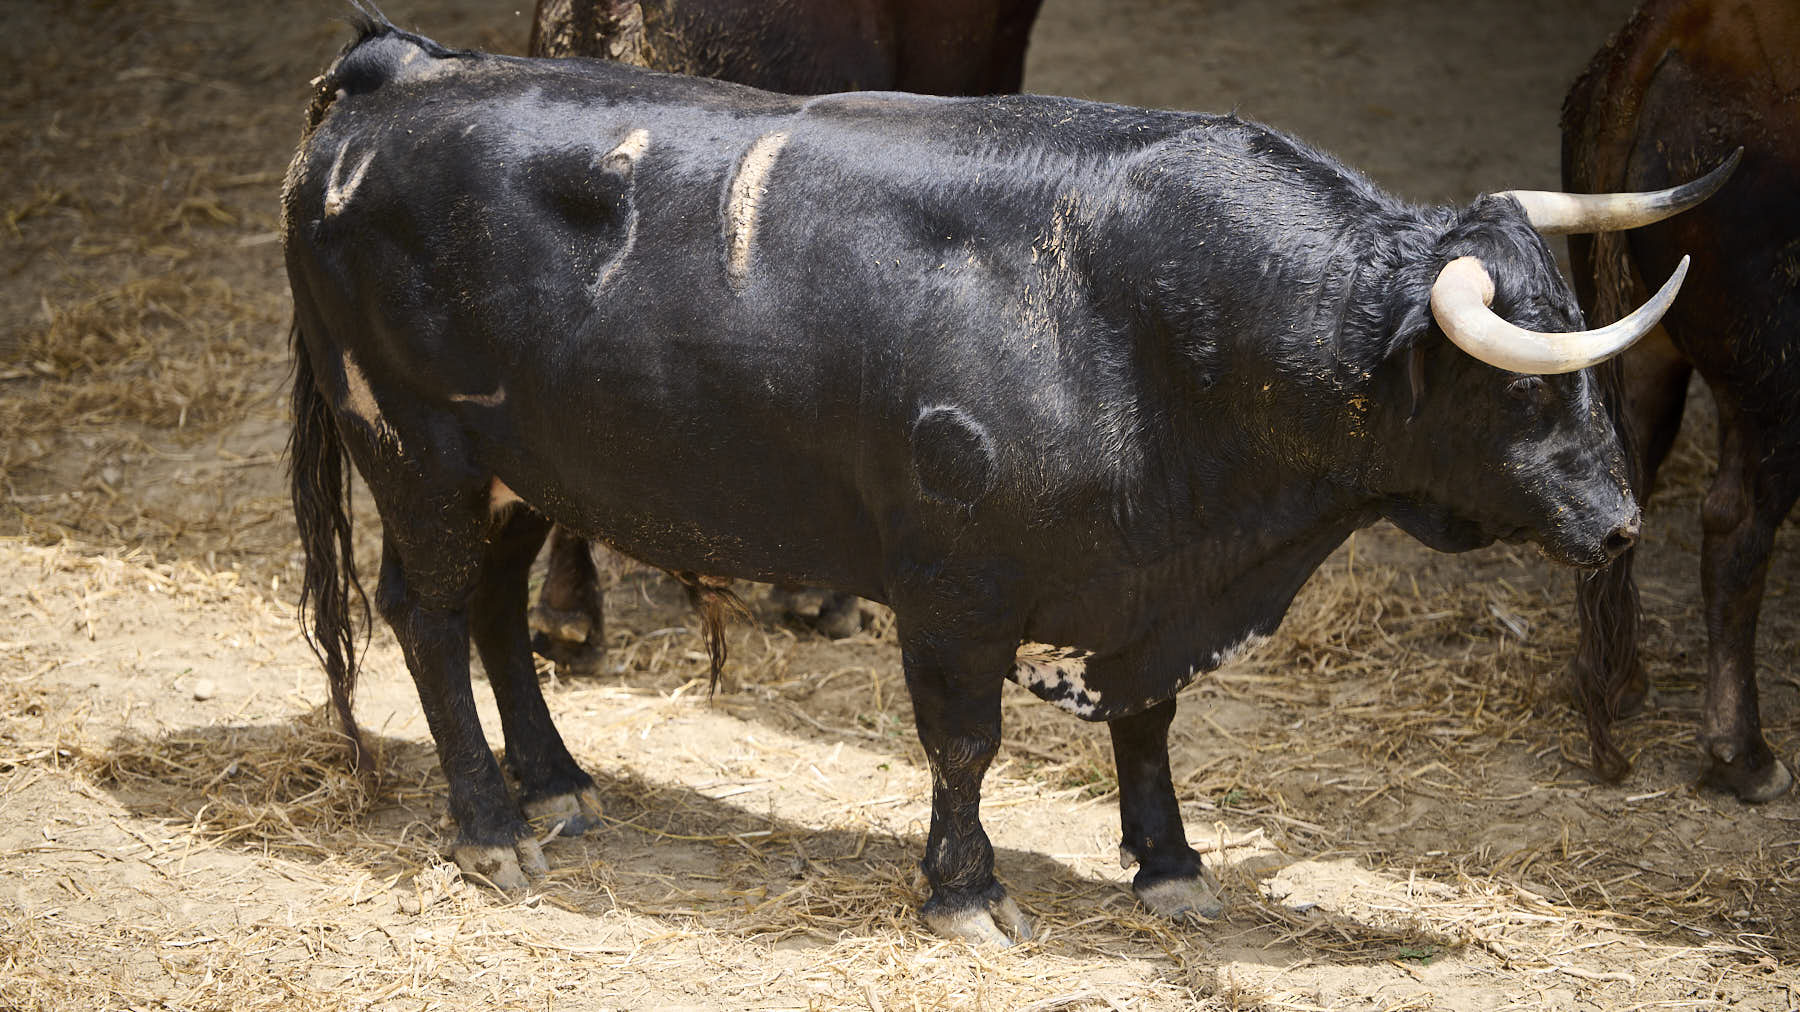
<point x="562" y="637"/>
<point x="831" y="613"/>
<point x="576" y="813"/>
<point x="1183" y="899"/>
<point x="1754" y="786"/>
<point x="504" y="867"/>
<point x="997" y="922"/>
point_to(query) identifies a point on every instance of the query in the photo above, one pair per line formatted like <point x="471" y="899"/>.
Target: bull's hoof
<point x="563" y="638"/>
<point x="841" y="618"/>
<point x="569" y="814"/>
<point x="997" y="921"/>
<point x="830" y="613"/>
<point x="504" y="867"/>
<point x="1755" y="786"/>
<point x="1183" y="899"/>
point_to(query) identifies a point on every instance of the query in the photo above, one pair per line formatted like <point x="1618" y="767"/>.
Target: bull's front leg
<point x="1170" y="878"/>
<point x="956" y="706"/>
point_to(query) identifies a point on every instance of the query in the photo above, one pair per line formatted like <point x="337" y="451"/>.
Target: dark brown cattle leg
<point x="1609" y="680"/>
<point x="431" y="622"/>
<point x="552" y="788"/>
<point x="956" y="705"/>
<point x="1170" y="878"/>
<point x="1746" y="504"/>
<point x="569" y="622"/>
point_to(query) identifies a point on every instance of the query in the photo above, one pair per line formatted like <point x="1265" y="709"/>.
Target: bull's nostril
<point x="1618" y="541"/>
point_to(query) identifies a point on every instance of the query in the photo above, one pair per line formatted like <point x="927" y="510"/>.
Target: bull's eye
<point x="1529" y="389"/>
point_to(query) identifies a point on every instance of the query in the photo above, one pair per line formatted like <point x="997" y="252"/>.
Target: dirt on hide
<point x="1392" y="789"/>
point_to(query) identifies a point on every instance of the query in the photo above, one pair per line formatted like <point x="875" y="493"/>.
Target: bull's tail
<point x="1599" y="119"/>
<point x="330" y="593"/>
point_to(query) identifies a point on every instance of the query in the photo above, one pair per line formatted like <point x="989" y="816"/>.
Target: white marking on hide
<point x="1237" y="652"/>
<point x="339" y="190"/>
<point x="500" y="497"/>
<point x="1055" y="674"/>
<point x="623" y="159"/>
<point x="632" y="147"/>
<point x="743" y="196"/>
<point x="359" y="401"/>
<point x="493" y="400"/>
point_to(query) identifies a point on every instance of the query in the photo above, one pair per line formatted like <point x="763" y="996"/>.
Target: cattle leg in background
<point x="1683" y="83"/>
<point x="569" y="622"/>
<point x="1170" y="878"/>
<point x="1755" y="487"/>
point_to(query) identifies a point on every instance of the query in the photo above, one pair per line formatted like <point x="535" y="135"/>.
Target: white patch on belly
<point x="1237" y="652"/>
<point x="359" y="401"/>
<point x="744" y="195"/>
<point x="339" y="190"/>
<point x="500" y="497"/>
<point x="1056" y="674"/>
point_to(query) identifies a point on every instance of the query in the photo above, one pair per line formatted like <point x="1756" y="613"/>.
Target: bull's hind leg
<point x="1170" y="878"/>
<point x="553" y="790"/>
<point x="956" y="704"/>
<point x="423" y="594"/>
<point x="1751" y="494"/>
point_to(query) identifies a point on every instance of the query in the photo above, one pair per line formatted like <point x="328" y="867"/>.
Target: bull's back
<point x="692" y="320"/>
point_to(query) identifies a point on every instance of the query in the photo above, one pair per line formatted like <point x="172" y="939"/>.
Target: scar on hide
<point x="623" y="160"/>
<point x="339" y="190"/>
<point x="359" y="401"/>
<point x="953" y="455"/>
<point x="743" y="195"/>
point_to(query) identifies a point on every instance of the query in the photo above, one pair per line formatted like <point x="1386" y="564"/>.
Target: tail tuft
<point x="330" y="593"/>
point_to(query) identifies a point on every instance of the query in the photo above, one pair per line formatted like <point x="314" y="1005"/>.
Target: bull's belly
<point x="750" y="526"/>
<point x="1102" y="687"/>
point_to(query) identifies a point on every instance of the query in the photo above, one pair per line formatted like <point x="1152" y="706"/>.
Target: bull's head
<point x="1529" y="453"/>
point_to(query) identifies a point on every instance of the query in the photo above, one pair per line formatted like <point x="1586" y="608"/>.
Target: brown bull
<point x="1679" y="87"/>
<point x="936" y="47"/>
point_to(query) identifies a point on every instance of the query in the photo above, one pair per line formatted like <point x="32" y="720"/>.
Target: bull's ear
<point x="1408" y="338"/>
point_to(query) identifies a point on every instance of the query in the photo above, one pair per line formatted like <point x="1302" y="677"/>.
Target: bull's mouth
<point x="1589" y="556"/>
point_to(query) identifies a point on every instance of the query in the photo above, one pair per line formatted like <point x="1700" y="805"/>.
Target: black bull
<point x="1102" y="387"/>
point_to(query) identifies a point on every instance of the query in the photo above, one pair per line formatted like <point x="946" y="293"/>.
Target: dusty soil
<point x="1392" y="789"/>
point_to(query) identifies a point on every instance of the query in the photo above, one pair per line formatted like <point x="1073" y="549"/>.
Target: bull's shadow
<point x="664" y="849"/>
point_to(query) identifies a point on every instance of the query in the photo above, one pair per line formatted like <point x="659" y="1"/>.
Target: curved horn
<point x="1459" y="302"/>
<point x="1554" y="213"/>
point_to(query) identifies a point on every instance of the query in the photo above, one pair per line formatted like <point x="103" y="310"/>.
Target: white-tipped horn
<point x="1555" y="213"/>
<point x="1463" y="292"/>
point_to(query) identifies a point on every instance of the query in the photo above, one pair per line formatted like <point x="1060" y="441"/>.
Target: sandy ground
<point x="1392" y="789"/>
